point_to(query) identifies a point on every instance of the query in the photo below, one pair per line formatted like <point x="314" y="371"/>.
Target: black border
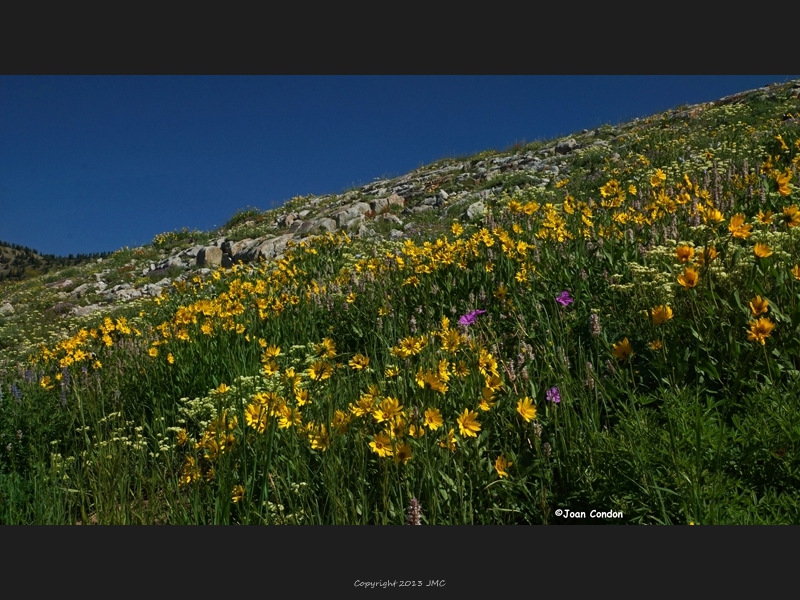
<point x="525" y="561"/>
<point x="404" y="39"/>
<point x="530" y="561"/>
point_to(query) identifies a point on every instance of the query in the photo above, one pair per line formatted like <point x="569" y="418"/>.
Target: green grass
<point x="183" y="410"/>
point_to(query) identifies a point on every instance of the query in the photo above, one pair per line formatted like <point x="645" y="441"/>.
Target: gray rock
<point x="396" y="234"/>
<point x="391" y="218"/>
<point x="210" y="256"/>
<point x="286" y="220"/>
<point x="316" y="225"/>
<point x="476" y="211"/>
<point x="421" y="208"/>
<point x="396" y="200"/>
<point x="242" y="246"/>
<point x="304" y="213"/>
<point x="342" y="217"/>
<point x="379" y="205"/>
<point x="354" y="224"/>
<point x="152" y="290"/>
<point x="100" y="286"/>
<point x="365" y="231"/>
<point x="443" y="195"/>
<point x="270" y="248"/>
<point x="191" y="252"/>
<point x="82" y="311"/>
<point x="6" y="309"/>
<point x="327" y="224"/>
<point x="60" y="285"/>
<point x="296" y="225"/>
<point x="80" y="290"/>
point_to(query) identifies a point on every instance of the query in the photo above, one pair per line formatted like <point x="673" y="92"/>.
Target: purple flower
<point x="565" y="299"/>
<point x="553" y="395"/>
<point x="470" y="317"/>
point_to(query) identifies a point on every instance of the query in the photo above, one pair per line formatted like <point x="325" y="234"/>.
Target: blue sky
<point x="95" y="163"/>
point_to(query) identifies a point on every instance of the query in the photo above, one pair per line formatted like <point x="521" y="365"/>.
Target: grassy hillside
<point x="606" y="322"/>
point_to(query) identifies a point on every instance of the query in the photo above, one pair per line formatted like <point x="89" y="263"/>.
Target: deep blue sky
<point x="95" y="163"/>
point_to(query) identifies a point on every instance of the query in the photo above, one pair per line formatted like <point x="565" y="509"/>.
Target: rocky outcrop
<point x="210" y="256"/>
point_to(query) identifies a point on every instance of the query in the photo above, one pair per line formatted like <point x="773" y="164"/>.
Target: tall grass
<point x="617" y="340"/>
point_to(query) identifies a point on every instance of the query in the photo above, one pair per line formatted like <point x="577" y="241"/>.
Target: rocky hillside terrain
<point x="420" y="204"/>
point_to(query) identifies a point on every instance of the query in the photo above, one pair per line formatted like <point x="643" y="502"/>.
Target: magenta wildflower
<point x="553" y="395"/>
<point x="470" y="317"/>
<point x="565" y="299"/>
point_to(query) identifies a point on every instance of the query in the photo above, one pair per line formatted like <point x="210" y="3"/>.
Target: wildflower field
<point x="624" y="338"/>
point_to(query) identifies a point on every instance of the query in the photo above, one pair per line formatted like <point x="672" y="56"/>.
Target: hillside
<point x="604" y="321"/>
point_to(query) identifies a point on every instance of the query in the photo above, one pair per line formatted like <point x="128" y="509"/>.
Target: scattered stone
<point x="354" y="224"/>
<point x="567" y="146"/>
<point x="286" y="220"/>
<point x="391" y="218"/>
<point x="82" y="311"/>
<point x="191" y="252"/>
<point x="343" y="217"/>
<point x="80" y="290"/>
<point x="365" y="231"/>
<point x="210" y="256"/>
<point x="476" y="211"/>
<point x="396" y="200"/>
<point x="6" y="309"/>
<point x="270" y="248"/>
<point x="61" y="284"/>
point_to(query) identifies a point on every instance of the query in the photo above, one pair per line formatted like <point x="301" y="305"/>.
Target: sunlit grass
<point x="623" y="338"/>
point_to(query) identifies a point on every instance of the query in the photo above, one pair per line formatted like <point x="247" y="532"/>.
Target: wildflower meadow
<point x="622" y="338"/>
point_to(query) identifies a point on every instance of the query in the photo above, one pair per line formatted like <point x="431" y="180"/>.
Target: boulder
<point x="396" y="200"/>
<point x="82" y="311"/>
<point x="354" y="223"/>
<point x="270" y="248"/>
<point x="349" y="213"/>
<point x="210" y="256"/>
<point x="80" y="290"/>
<point x="286" y="220"/>
<point x="316" y="225"/>
<point x="567" y="146"/>
<point x="6" y="309"/>
<point x="379" y="205"/>
<point x="391" y="218"/>
<point x="476" y="211"/>
<point x="59" y="285"/>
